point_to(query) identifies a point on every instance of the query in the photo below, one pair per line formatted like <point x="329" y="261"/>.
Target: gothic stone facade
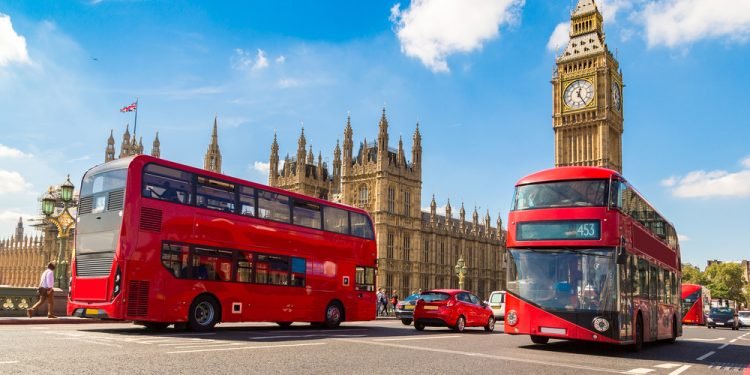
<point x="587" y="100"/>
<point x="416" y="250"/>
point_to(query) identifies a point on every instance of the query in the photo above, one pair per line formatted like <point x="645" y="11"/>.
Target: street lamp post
<point x="461" y="272"/>
<point x="64" y="222"/>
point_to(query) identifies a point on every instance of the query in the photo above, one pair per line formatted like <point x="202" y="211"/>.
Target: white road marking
<point x="481" y="355"/>
<point x="247" y="347"/>
<point x="680" y="370"/>
<point x="418" y="338"/>
<point x="667" y="365"/>
<point x="732" y="341"/>
<point x="298" y="336"/>
<point x="191" y="341"/>
<point x="723" y="346"/>
<point x="209" y="346"/>
<point x="639" y="371"/>
<point x="705" y="356"/>
<point x="719" y="339"/>
<point x="7" y="362"/>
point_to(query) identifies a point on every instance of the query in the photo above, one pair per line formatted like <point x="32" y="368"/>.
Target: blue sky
<point x="474" y="74"/>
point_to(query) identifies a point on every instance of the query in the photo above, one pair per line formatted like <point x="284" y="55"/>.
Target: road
<point x="378" y="347"/>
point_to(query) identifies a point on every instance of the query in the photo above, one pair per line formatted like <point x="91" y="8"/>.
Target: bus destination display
<point x="559" y="230"/>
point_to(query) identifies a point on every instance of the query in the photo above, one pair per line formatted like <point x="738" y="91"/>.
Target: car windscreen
<point x="744" y="314"/>
<point x="434" y="296"/>
<point x="496" y="298"/>
<point x="721" y="311"/>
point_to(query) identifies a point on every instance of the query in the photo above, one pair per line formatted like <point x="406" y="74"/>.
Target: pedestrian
<point x="379" y="302"/>
<point x="394" y="299"/>
<point x="46" y="292"/>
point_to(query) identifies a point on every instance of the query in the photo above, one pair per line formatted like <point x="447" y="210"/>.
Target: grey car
<point x="405" y="308"/>
<point x="744" y="318"/>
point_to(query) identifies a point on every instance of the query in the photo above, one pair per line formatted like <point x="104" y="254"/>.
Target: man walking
<point x="46" y="292"/>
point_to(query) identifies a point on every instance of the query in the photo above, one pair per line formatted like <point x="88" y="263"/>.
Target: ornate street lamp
<point x="461" y="271"/>
<point x="64" y="222"/>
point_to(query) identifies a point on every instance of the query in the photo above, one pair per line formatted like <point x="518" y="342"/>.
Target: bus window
<point x="643" y="278"/>
<point x="175" y="259"/>
<point x="272" y="270"/>
<point x="306" y="214"/>
<point x="247" y="201"/>
<point x="653" y="283"/>
<point x="361" y="226"/>
<point x="273" y="206"/>
<point x="364" y="278"/>
<point x="210" y="264"/>
<point x="299" y="266"/>
<point x="336" y="220"/>
<point x="167" y="184"/>
<point x="214" y="194"/>
<point x="245" y="267"/>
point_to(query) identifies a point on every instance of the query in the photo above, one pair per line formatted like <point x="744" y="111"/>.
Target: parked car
<point x="744" y="317"/>
<point x="497" y="304"/>
<point x="723" y="317"/>
<point x="405" y="308"/>
<point x="452" y="308"/>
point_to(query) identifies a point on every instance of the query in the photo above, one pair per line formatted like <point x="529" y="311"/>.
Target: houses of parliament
<point x="418" y="250"/>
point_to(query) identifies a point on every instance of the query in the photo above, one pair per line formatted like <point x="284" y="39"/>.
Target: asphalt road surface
<point x="377" y="347"/>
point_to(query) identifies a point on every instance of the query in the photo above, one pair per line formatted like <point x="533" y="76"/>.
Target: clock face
<point x="578" y="94"/>
<point x="616" y="97"/>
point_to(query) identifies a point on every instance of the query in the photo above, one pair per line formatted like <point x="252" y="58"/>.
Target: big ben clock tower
<point x="587" y="96"/>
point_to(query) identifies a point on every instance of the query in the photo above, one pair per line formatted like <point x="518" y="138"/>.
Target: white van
<point x="497" y="304"/>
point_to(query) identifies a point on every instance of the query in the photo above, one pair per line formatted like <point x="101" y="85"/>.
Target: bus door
<point x="653" y="301"/>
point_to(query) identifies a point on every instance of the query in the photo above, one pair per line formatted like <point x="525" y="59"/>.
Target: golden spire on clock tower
<point x="587" y="95"/>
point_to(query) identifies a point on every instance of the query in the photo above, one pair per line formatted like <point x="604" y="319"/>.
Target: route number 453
<point x="586" y="230"/>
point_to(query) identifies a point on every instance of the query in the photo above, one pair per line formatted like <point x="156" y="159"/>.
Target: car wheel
<point x="490" y="324"/>
<point x="204" y="313"/>
<point x="406" y="322"/>
<point x="460" y="324"/>
<point x="539" y="339"/>
<point x="334" y="315"/>
<point x="419" y="326"/>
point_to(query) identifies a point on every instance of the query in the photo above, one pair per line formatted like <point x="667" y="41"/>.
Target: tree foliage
<point x="725" y="281"/>
<point x="693" y="275"/>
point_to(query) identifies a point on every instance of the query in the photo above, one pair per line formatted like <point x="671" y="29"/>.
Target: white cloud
<point x="683" y="237"/>
<point x="718" y="183"/>
<point x="286" y="83"/>
<point x="673" y="23"/>
<point x="669" y="182"/>
<point x="439" y="210"/>
<point x="280" y="59"/>
<point x="262" y="167"/>
<point x="559" y="38"/>
<point x="610" y="8"/>
<point x="12" y="45"/>
<point x="12" y="182"/>
<point x="261" y="62"/>
<point x="432" y="30"/>
<point x="9" y="152"/>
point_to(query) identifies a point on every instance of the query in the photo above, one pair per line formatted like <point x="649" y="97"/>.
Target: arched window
<point x="363" y="196"/>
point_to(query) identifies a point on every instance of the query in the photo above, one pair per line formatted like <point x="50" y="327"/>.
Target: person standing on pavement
<point x="394" y="300"/>
<point x="46" y="292"/>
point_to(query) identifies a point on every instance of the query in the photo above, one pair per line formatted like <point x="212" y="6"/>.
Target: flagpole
<point x="135" y="123"/>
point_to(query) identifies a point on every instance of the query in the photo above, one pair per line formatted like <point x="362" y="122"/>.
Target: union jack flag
<point x="130" y="108"/>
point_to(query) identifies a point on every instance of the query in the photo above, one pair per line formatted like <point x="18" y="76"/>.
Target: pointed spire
<point x="275" y="145"/>
<point x="156" y="147"/>
<point x="302" y="141"/>
<point x="273" y="170"/>
<point x="140" y="145"/>
<point x="401" y="157"/>
<point x="310" y="156"/>
<point x="383" y="140"/>
<point x="584" y="7"/>
<point x="109" y="152"/>
<point x="111" y="140"/>
<point x="125" y="145"/>
<point x="212" y="160"/>
<point x="433" y="209"/>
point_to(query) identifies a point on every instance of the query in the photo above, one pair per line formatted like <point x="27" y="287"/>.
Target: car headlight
<point x="600" y="324"/>
<point x="730" y="321"/>
<point x="710" y="320"/>
<point x="512" y="317"/>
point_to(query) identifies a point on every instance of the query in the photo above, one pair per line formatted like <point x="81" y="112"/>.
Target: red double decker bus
<point x="590" y="259"/>
<point x="696" y="303"/>
<point x="160" y="243"/>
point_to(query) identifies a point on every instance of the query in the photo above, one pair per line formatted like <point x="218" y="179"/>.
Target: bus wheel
<point x="204" y="313"/>
<point x="284" y="324"/>
<point x="539" y="339"/>
<point x="334" y="315"/>
<point x="674" y="331"/>
<point x="490" y="324"/>
<point x="406" y="322"/>
<point x="460" y="324"/>
<point x="154" y="326"/>
<point x="638" y="345"/>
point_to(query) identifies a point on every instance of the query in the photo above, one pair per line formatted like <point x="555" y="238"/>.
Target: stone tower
<point x="300" y="174"/>
<point x="212" y="161"/>
<point x="19" y="229"/>
<point x="129" y="146"/>
<point x="155" y="147"/>
<point x="587" y="96"/>
<point x="109" y="154"/>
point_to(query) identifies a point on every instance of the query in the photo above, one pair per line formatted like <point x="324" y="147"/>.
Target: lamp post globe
<point x="66" y="190"/>
<point x="48" y="204"/>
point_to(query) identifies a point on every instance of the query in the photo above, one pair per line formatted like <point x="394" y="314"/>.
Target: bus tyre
<point x="539" y="339"/>
<point x="406" y="322"/>
<point x="284" y="324"/>
<point x="638" y="344"/>
<point x="419" y="326"/>
<point x="674" y="331"/>
<point x="460" y="324"/>
<point x="334" y="315"/>
<point x="490" y="324"/>
<point x="204" y="314"/>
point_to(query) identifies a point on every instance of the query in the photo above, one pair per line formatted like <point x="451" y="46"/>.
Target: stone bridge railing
<point x="14" y="301"/>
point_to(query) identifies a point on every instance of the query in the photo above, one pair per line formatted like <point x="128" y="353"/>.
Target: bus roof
<point x="568" y="173"/>
<point x="145" y="159"/>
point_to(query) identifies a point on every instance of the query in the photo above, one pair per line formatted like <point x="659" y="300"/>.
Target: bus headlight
<point x="601" y="324"/>
<point x="512" y="317"/>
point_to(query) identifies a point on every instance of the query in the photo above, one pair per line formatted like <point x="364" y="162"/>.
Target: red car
<point x="452" y="308"/>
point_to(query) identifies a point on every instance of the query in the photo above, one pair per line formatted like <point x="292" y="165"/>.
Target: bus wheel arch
<point x="334" y="314"/>
<point x="638" y="332"/>
<point x="204" y="312"/>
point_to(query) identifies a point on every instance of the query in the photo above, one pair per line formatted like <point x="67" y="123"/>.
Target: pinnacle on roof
<point x="584" y="7"/>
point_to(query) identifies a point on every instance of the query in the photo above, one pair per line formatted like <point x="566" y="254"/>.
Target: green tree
<point x="725" y="281"/>
<point x="693" y="275"/>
